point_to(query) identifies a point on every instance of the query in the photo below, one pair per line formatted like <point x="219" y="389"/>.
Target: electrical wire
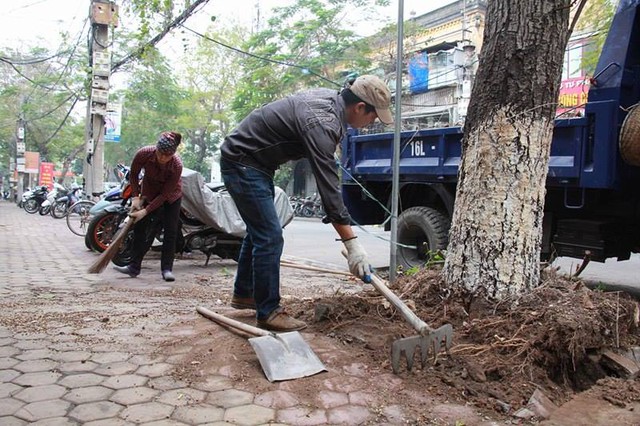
<point x="253" y="55"/>
<point x="33" y="61"/>
<point x="26" y="6"/>
<point x="73" y="51"/>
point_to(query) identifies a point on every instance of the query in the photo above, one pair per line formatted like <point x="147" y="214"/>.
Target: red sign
<point x="573" y="96"/>
<point x="46" y="174"/>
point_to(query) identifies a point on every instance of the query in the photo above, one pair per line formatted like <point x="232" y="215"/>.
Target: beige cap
<point x="375" y="92"/>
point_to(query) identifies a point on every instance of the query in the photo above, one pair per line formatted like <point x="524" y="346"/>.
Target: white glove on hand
<point x="136" y="203"/>
<point x="357" y="260"/>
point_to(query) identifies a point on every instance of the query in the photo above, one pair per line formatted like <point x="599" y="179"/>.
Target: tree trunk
<point x="495" y="236"/>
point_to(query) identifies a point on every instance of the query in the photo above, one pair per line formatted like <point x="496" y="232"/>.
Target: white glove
<point x="357" y="260"/>
<point x="136" y="203"/>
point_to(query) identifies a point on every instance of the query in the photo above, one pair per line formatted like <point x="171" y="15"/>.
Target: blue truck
<point x="592" y="205"/>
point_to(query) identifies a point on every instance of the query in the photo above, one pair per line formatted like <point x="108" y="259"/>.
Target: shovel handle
<point x="419" y="325"/>
<point x="221" y="319"/>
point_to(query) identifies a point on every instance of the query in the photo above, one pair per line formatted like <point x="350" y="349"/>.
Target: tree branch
<point x="137" y="53"/>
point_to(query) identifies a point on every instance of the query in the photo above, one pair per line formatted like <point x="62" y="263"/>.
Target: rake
<point x="429" y="340"/>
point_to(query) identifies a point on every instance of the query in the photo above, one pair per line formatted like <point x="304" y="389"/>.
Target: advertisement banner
<point x="46" y="174"/>
<point x="113" y="122"/>
<point x="31" y="162"/>
<point x="573" y="97"/>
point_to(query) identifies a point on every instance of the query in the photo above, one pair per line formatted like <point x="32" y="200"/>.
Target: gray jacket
<point x="308" y="124"/>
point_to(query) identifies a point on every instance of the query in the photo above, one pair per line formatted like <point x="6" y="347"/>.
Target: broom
<point x="106" y="256"/>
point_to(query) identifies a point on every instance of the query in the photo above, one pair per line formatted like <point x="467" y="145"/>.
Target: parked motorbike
<point x="209" y="221"/>
<point x="47" y="205"/>
<point x="33" y="202"/>
<point x="192" y="235"/>
<point x="108" y="214"/>
<point x="25" y="196"/>
<point x="64" y="200"/>
<point x="307" y="207"/>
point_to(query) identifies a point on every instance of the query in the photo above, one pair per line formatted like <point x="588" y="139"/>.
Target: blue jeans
<point x="258" y="273"/>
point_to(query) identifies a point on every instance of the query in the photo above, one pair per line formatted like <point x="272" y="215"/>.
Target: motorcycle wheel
<point x="59" y="210"/>
<point x="31" y="206"/>
<point x="307" y="212"/>
<point x="44" y="210"/>
<point x="123" y="257"/>
<point x="101" y="230"/>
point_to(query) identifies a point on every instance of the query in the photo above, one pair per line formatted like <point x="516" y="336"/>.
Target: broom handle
<point x="419" y="325"/>
<point x="221" y="319"/>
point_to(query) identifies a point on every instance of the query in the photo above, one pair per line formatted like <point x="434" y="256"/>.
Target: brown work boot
<point x="243" y="302"/>
<point x="279" y="320"/>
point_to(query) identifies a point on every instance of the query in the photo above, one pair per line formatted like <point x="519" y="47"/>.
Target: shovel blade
<point x="286" y="356"/>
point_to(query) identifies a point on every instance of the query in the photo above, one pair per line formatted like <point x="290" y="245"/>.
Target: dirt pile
<point x="552" y="339"/>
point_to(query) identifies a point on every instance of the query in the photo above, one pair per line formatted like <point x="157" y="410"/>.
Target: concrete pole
<point x="395" y="183"/>
<point x="101" y="15"/>
<point x="20" y="161"/>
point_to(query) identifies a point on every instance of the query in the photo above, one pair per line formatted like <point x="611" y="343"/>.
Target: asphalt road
<point x="313" y="241"/>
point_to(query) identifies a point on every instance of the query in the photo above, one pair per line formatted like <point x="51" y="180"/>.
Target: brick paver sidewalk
<point x="89" y="349"/>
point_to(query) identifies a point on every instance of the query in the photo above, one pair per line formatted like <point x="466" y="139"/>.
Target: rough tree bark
<point x="496" y="228"/>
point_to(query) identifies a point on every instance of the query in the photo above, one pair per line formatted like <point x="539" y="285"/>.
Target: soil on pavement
<point x="551" y="340"/>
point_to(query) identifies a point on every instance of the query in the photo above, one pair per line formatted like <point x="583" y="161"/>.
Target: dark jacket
<point x="308" y="124"/>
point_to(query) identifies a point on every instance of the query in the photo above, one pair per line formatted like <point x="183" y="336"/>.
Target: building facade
<point x="440" y="62"/>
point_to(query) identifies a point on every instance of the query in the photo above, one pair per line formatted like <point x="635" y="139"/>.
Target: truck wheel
<point x="425" y="229"/>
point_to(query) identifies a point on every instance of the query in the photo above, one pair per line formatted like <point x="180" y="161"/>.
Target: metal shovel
<point x="283" y="356"/>
<point x="429" y="340"/>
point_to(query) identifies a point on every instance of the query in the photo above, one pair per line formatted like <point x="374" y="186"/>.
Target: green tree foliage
<point x="385" y="42"/>
<point x="595" y="19"/>
<point x="309" y="34"/>
<point x="210" y="77"/>
<point x="151" y="104"/>
<point x="44" y="89"/>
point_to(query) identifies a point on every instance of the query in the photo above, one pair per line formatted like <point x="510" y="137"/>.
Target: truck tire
<point x="424" y="228"/>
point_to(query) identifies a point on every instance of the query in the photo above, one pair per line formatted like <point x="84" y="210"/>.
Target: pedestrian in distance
<point x="308" y="124"/>
<point x="156" y="202"/>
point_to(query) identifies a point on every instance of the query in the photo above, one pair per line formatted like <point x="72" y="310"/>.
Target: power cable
<point x="155" y="40"/>
<point x="26" y="6"/>
<point x="262" y="58"/>
<point x="64" y="120"/>
<point x="73" y="51"/>
<point x="54" y="109"/>
<point x="33" y="61"/>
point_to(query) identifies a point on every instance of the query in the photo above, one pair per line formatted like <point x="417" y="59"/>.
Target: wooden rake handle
<point x="419" y="325"/>
<point x="290" y="264"/>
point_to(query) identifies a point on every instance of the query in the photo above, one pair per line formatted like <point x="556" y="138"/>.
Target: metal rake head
<point x="430" y="343"/>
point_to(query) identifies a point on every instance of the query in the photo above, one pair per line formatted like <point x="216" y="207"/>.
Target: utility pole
<point x="395" y="166"/>
<point x="20" y="163"/>
<point x="102" y="14"/>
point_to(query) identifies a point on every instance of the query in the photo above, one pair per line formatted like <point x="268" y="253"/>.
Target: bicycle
<point x="79" y="216"/>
